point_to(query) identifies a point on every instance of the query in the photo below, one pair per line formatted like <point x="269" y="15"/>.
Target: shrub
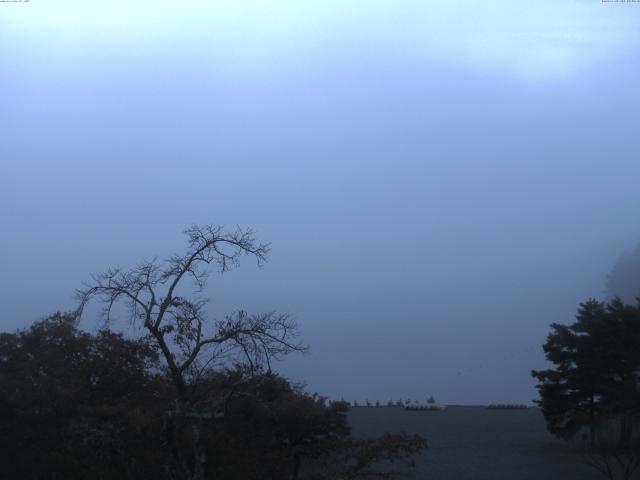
<point x="75" y="405"/>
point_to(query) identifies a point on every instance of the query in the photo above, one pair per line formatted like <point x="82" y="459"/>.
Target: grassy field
<point x="476" y="443"/>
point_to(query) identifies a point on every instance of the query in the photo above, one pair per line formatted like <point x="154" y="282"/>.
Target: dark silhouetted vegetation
<point x="624" y="279"/>
<point x="192" y="399"/>
<point x="594" y="389"/>
<point x="188" y="340"/>
<point x="597" y="361"/>
<point x="76" y="405"/>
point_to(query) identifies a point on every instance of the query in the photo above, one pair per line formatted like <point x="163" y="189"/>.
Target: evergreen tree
<point x="595" y="376"/>
<point x="624" y="279"/>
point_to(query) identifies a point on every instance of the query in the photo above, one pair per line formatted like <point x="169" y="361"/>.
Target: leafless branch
<point x="180" y="326"/>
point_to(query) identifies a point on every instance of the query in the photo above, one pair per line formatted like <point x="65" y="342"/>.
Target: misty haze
<point x="319" y="240"/>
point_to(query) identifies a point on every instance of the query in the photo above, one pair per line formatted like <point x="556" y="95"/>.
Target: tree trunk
<point x="296" y="467"/>
<point x="199" y="454"/>
<point x="592" y="424"/>
<point x="190" y="464"/>
<point x="625" y="436"/>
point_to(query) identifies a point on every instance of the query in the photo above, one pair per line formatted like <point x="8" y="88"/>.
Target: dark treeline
<point x="194" y="398"/>
<point x="624" y="279"/>
<point x="75" y="405"/>
<point x="597" y="370"/>
<point x="596" y="363"/>
<point x="592" y="393"/>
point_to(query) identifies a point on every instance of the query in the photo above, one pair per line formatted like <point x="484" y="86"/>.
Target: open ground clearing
<point x="476" y="443"/>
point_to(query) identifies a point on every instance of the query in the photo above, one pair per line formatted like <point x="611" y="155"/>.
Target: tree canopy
<point x="193" y="398"/>
<point x="157" y="296"/>
<point x="76" y="405"/>
<point x="596" y="368"/>
<point x="624" y="279"/>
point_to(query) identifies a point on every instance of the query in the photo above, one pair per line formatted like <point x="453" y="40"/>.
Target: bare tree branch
<point x="178" y="325"/>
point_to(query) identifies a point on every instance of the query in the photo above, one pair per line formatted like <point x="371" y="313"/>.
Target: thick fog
<point x="438" y="183"/>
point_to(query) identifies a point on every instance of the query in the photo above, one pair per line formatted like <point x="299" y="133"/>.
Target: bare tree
<point x="191" y="342"/>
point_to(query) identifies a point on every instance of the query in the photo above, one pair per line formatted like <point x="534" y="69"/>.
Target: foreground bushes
<point x="76" y="406"/>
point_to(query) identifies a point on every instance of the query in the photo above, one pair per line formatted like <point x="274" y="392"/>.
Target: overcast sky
<point x="440" y="181"/>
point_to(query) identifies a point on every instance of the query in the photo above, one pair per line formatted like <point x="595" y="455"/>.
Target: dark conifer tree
<point x="624" y="279"/>
<point x="596" y="362"/>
